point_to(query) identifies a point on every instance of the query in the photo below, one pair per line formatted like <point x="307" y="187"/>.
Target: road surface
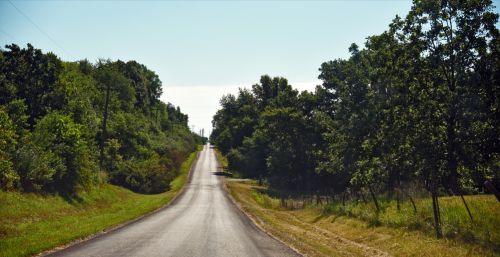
<point x="201" y="221"/>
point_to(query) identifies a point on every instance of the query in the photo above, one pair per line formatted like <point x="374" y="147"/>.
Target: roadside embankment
<point x="31" y="223"/>
<point x="314" y="232"/>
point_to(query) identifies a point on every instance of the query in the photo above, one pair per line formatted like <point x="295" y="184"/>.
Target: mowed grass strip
<point x="313" y="232"/>
<point x="32" y="223"/>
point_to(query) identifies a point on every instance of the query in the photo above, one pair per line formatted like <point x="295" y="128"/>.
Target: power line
<point x="41" y="30"/>
<point x="10" y="36"/>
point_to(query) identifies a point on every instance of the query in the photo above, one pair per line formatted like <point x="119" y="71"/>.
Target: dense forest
<point x="52" y="115"/>
<point x="419" y="103"/>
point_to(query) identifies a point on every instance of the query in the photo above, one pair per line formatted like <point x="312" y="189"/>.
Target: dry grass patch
<point x="314" y="232"/>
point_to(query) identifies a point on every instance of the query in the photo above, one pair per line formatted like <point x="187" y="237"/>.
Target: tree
<point x="30" y="75"/>
<point x="153" y="84"/>
<point x="268" y="89"/>
<point x="7" y="144"/>
<point x="450" y="44"/>
<point x="355" y="116"/>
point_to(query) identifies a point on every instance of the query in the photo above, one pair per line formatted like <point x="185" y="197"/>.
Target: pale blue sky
<point x="203" y="49"/>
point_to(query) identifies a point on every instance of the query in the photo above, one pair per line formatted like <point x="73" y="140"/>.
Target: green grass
<point x="31" y="223"/>
<point x="222" y="159"/>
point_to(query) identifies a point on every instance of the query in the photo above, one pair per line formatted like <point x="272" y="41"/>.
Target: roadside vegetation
<point x="78" y="140"/>
<point x="415" y="113"/>
<point x="69" y="126"/>
<point x="34" y="222"/>
<point x="354" y="228"/>
<point x="224" y="163"/>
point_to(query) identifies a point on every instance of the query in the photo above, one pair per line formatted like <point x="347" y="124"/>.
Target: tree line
<point x="419" y="103"/>
<point x="51" y="125"/>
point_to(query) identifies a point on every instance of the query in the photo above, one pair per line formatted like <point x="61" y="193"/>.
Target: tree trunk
<point x="465" y="203"/>
<point x="412" y="202"/>
<point x="435" y="207"/>
<point x="492" y="189"/>
<point x="373" y="196"/>
<point x="397" y="199"/>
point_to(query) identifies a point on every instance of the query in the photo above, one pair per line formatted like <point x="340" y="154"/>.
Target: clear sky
<point x="203" y="49"/>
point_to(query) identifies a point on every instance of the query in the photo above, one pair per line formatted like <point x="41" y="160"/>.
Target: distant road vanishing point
<point x="201" y="221"/>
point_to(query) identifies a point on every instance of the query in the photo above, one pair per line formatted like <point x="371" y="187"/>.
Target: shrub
<point x="7" y="143"/>
<point x="36" y="167"/>
<point x="177" y="158"/>
<point x="129" y="174"/>
<point x="112" y="157"/>
<point x="152" y="176"/>
<point x="57" y="134"/>
<point x="234" y="159"/>
<point x="160" y="172"/>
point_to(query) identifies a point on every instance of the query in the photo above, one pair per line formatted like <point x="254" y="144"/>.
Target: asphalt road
<point x="201" y="221"/>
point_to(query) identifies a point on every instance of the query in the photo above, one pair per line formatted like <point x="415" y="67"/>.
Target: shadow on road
<point x="229" y="175"/>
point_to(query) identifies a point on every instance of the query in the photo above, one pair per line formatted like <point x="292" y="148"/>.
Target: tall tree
<point x="31" y="75"/>
<point x="450" y="43"/>
<point x="153" y="84"/>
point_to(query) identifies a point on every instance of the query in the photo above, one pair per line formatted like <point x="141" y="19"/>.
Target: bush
<point x="152" y="176"/>
<point x="58" y="137"/>
<point x="161" y="172"/>
<point x="7" y="143"/>
<point x="177" y="158"/>
<point x="234" y="159"/>
<point x="36" y="167"/>
<point x="112" y="157"/>
<point x="130" y="175"/>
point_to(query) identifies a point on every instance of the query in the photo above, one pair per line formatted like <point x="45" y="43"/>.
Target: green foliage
<point x="31" y="75"/>
<point x="418" y="103"/>
<point x="283" y="128"/>
<point x="234" y="159"/>
<point x="16" y="111"/>
<point x="53" y="113"/>
<point x="37" y="167"/>
<point x="56" y="156"/>
<point x="272" y="130"/>
<point x="7" y="144"/>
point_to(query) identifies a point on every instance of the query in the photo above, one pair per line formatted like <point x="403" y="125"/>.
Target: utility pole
<point x="173" y="127"/>
<point x="103" y="136"/>
<point x="156" y="114"/>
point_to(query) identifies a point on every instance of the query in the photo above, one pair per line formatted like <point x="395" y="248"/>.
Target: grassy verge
<point x="319" y="231"/>
<point x="224" y="163"/>
<point x="222" y="159"/>
<point x="32" y="223"/>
